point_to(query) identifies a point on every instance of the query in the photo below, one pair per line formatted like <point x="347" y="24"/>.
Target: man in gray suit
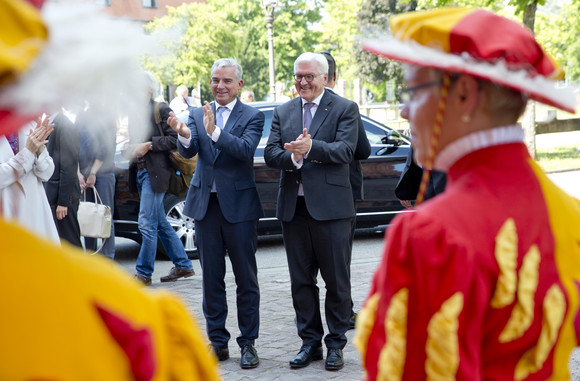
<point x="224" y="202"/>
<point x="312" y="141"/>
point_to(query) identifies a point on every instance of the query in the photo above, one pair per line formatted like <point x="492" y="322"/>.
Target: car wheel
<point x="182" y="224"/>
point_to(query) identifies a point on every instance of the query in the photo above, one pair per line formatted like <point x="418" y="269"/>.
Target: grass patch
<point x="559" y="158"/>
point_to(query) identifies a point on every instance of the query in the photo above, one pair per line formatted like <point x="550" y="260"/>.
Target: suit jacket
<point x="63" y="187"/>
<point x="410" y="180"/>
<point x="362" y="152"/>
<point x="325" y="172"/>
<point x="230" y="161"/>
<point x="157" y="160"/>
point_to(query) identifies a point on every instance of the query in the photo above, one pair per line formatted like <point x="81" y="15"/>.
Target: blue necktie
<point x="219" y="120"/>
<point x="307" y="115"/>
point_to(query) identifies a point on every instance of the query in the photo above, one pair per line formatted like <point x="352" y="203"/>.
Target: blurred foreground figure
<point x="24" y="165"/>
<point x="481" y="282"/>
<point x="80" y="317"/>
<point x="75" y="317"/>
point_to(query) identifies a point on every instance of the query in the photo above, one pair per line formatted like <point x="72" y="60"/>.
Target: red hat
<point x="478" y="43"/>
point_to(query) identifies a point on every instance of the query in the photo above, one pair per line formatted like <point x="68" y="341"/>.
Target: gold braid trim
<point x="554" y="311"/>
<point x="442" y="341"/>
<point x="506" y="255"/>
<point x="434" y="138"/>
<point x="523" y="312"/>
<point x="364" y="325"/>
<point x="393" y="354"/>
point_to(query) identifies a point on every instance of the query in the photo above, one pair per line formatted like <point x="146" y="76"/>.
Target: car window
<point x="268" y="113"/>
<point x="374" y="132"/>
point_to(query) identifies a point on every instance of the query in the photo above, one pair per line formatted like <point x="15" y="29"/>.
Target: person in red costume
<point x="67" y="316"/>
<point x="481" y="282"/>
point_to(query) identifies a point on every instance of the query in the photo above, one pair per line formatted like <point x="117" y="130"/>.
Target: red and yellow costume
<point x="68" y="316"/>
<point x="483" y="281"/>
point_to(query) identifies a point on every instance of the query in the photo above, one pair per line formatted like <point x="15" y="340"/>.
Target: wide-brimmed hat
<point x="479" y="43"/>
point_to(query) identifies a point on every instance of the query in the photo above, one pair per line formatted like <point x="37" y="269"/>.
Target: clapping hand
<point x="300" y="146"/>
<point x="208" y="118"/>
<point x="178" y="125"/>
<point x="38" y="136"/>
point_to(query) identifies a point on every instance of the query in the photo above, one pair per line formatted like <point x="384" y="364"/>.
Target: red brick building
<point x="140" y="10"/>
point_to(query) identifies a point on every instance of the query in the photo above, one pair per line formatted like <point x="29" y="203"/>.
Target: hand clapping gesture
<point x="38" y="136"/>
<point x="300" y="146"/>
<point x="208" y="118"/>
<point x="178" y="125"/>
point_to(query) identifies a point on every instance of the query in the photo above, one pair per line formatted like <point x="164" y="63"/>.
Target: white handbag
<point x="94" y="217"/>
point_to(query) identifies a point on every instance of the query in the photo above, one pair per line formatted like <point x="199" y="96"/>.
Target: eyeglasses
<point x="405" y="95"/>
<point x="307" y="77"/>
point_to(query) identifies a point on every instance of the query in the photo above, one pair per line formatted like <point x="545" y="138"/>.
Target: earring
<point x="466" y="118"/>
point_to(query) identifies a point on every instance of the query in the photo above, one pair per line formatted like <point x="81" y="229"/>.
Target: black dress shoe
<point x="352" y="320"/>
<point x="306" y="355"/>
<point x="249" y="358"/>
<point x="222" y="353"/>
<point x="334" y="359"/>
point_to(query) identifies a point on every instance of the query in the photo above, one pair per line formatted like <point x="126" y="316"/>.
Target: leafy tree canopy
<point x="205" y="32"/>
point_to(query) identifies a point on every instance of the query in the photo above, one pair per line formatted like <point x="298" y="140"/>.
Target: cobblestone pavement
<point x="278" y="342"/>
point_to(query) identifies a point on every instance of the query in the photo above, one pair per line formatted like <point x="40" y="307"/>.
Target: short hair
<point x="227" y="62"/>
<point x="500" y="100"/>
<point x="151" y="83"/>
<point x="331" y="64"/>
<point x="313" y="57"/>
<point x="180" y="89"/>
<point x="249" y="92"/>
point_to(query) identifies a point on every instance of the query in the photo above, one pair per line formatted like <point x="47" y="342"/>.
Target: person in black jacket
<point x="63" y="189"/>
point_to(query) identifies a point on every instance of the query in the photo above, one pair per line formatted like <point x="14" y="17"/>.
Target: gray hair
<point x="227" y="62"/>
<point x="180" y="89"/>
<point x="151" y="83"/>
<point x="313" y="57"/>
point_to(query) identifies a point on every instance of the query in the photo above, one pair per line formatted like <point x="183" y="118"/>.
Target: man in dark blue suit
<point x="312" y="141"/>
<point x="224" y="202"/>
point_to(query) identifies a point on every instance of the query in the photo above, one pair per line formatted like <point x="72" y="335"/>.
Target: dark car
<point x="381" y="172"/>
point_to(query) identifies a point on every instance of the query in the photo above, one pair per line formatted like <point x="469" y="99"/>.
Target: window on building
<point x="149" y="3"/>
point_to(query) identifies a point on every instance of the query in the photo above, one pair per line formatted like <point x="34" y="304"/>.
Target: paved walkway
<point x="278" y="341"/>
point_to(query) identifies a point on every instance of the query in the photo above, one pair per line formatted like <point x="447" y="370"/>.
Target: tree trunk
<point x="530" y="15"/>
<point x="529" y="117"/>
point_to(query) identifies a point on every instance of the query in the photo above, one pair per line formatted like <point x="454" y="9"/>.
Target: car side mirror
<point x="391" y="138"/>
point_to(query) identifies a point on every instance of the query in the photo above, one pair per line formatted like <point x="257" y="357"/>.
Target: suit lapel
<point x="321" y="113"/>
<point x="235" y="114"/>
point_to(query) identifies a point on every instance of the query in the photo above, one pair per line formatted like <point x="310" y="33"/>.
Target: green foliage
<point x="233" y="28"/>
<point x="339" y="35"/>
<point x="557" y="31"/>
<point x="372" y="20"/>
<point x="559" y="158"/>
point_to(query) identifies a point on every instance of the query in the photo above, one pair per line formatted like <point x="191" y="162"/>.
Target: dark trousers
<point x="311" y="246"/>
<point x="68" y="228"/>
<point x="214" y="236"/>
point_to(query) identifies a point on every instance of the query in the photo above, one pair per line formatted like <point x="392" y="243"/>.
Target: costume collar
<point x="476" y="141"/>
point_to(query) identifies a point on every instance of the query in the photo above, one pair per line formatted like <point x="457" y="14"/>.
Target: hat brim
<point x="537" y="88"/>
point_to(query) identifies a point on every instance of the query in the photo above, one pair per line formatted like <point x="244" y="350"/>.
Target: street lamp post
<point x="269" y="6"/>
